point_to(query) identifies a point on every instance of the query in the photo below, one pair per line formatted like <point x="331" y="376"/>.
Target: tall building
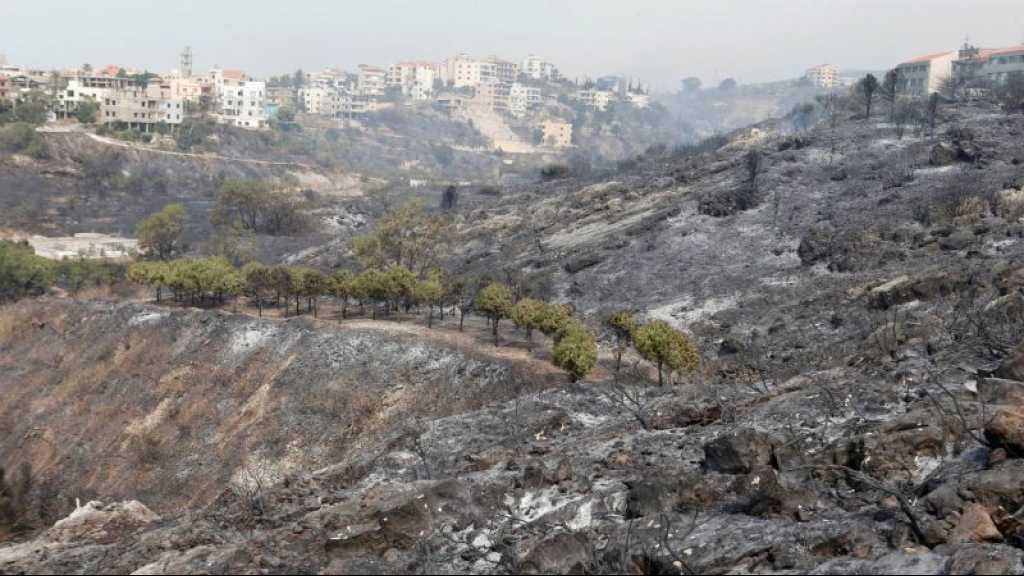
<point x="539" y="69"/>
<point x="463" y="71"/>
<point x="523" y="98"/>
<point x="415" y="79"/>
<point x="823" y="76"/>
<point x="372" y="81"/>
<point x="242" y="105"/>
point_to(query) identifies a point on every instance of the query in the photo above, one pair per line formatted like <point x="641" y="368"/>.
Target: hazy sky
<point x="659" y="41"/>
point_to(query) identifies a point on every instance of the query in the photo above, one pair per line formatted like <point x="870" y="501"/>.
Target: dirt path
<point x="140" y="148"/>
<point x="469" y="342"/>
<point x="474" y="339"/>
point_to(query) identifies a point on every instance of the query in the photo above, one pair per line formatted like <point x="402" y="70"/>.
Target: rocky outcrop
<point x="739" y="453"/>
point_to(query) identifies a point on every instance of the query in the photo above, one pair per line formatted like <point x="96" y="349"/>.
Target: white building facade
<point x="242" y="105"/>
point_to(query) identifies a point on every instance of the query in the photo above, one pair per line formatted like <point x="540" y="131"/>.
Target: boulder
<point x="669" y="412"/>
<point x="942" y="154"/>
<point x="559" y="554"/>
<point x="975" y="525"/>
<point x="1000" y="391"/>
<point x="739" y="452"/>
<point x="985" y="559"/>
<point x="1006" y="430"/>
<point x="1012" y="368"/>
<point x="999" y="486"/>
<point x="815" y="246"/>
<point x="958" y="240"/>
<point x="102" y="523"/>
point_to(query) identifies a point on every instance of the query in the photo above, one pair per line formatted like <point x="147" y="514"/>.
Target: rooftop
<point x="1018" y="49"/>
<point x="928" y="58"/>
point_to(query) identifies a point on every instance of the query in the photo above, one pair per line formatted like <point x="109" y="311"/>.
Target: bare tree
<point x="868" y="87"/>
<point x="889" y="91"/>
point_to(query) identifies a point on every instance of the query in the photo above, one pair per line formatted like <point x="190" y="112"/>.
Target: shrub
<point x="75" y="275"/>
<point x="575" y="350"/>
<point x="22" y="273"/>
<point x="22" y="138"/>
<point x="554" y="170"/>
<point x="1010" y="204"/>
<point x="666" y="347"/>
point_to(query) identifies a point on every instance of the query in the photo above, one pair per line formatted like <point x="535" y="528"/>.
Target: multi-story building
<point x="1003" y="63"/>
<point x="89" y="86"/>
<point x="372" y="81"/>
<point x="188" y="89"/>
<point x="326" y="101"/>
<point x="596" y="99"/>
<point x="505" y="71"/>
<point x="220" y="79"/>
<point x="539" y="69"/>
<point x="556" y="133"/>
<point x="823" y="76"/>
<point x="924" y="75"/>
<point x="242" y="105"/>
<point x="141" y="108"/>
<point x="523" y="98"/>
<point x="970" y="63"/>
<point x="493" y="95"/>
<point x="638" y="99"/>
<point x="280" y="96"/>
<point x="463" y="71"/>
<point x="416" y="79"/>
<point x="612" y="83"/>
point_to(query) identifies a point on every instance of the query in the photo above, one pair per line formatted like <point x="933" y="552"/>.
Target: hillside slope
<point x="858" y="409"/>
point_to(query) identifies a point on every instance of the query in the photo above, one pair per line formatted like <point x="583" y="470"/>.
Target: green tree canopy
<point x="404" y="236"/>
<point x="22" y="273"/>
<point x="162" y="234"/>
<point x="529" y="314"/>
<point x="495" y="302"/>
<point x="660" y="343"/>
<point x="575" y="350"/>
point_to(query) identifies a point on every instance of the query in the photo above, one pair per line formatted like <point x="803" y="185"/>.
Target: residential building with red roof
<point x="924" y="75"/>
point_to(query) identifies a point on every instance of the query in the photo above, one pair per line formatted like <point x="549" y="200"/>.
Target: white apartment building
<point x="372" y="81"/>
<point x="320" y="100"/>
<point x="220" y="79"/>
<point x="924" y="75"/>
<point x="242" y="105"/>
<point x="596" y="99"/>
<point x="539" y="69"/>
<point x="823" y="76"/>
<point x="522" y="99"/>
<point x="638" y="99"/>
<point x="416" y="79"/>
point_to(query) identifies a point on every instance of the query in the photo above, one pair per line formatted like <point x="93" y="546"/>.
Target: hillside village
<point x="460" y="86"/>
